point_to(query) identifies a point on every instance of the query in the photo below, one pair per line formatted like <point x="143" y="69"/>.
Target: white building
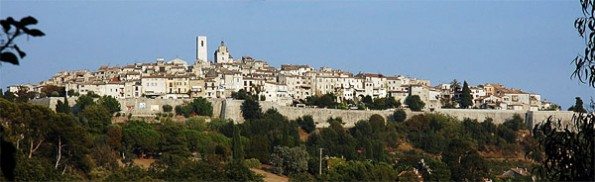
<point x="133" y="89"/>
<point x="153" y="85"/>
<point x="115" y="89"/>
<point x="275" y="92"/>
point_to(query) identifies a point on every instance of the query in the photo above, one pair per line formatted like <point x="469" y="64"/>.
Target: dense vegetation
<point x="86" y="145"/>
<point x="81" y="142"/>
<point x="329" y="100"/>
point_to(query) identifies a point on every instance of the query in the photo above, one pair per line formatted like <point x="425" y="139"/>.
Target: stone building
<point x="222" y="55"/>
<point x="175" y="79"/>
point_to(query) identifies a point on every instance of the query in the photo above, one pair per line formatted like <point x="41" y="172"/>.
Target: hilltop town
<point x="290" y="85"/>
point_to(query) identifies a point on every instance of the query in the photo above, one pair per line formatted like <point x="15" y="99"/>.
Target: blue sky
<point x="523" y="44"/>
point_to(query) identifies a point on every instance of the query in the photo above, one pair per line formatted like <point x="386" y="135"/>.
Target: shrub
<point x="399" y="115"/>
<point x="166" y="108"/>
<point x="307" y="123"/>
<point x="251" y="109"/>
<point x="415" y="103"/>
<point x="303" y="176"/>
<point x="252" y="163"/>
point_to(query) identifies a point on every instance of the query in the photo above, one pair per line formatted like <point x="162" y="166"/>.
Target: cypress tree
<point x="238" y="151"/>
<point x="63" y="107"/>
<point x="466" y="97"/>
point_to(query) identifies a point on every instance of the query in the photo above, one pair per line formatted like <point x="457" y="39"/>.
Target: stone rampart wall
<point x="230" y="109"/>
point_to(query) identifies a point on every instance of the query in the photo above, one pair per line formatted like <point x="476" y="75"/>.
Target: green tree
<point x="455" y="85"/>
<point x="97" y="118"/>
<point x="361" y="171"/>
<point x="306" y="123"/>
<point x="272" y="129"/>
<point x="9" y="96"/>
<point x="434" y="170"/>
<point x="167" y="108"/>
<point x="516" y="123"/>
<point x="367" y="100"/>
<point x="259" y="147"/>
<point x="466" y="99"/>
<point x="114" y="137"/>
<point x="82" y="102"/>
<point x="240" y="173"/>
<point x="93" y="94"/>
<point x="414" y="103"/>
<point x="373" y="136"/>
<point x="578" y="106"/>
<point x="200" y="106"/>
<point x="237" y="149"/>
<point x="377" y="123"/>
<point x="391" y="102"/>
<point x="182" y="110"/>
<point x="464" y="161"/>
<point x="71" y="93"/>
<point x="399" y="115"/>
<point x="251" y="109"/>
<point x="37" y="121"/>
<point x="335" y="139"/>
<point x="110" y="103"/>
<point x="71" y="143"/>
<point x="569" y="149"/>
<point x="173" y="144"/>
<point x="328" y="100"/>
<point x="447" y="102"/>
<point x="286" y="160"/>
<point x="243" y="95"/>
<point x="129" y="173"/>
<point x="53" y="90"/>
<point x="63" y="107"/>
<point x="140" y="137"/>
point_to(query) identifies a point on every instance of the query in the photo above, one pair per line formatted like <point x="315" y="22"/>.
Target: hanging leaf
<point x="28" y="21"/>
<point x="21" y="53"/>
<point x="5" y="25"/>
<point x="34" y="32"/>
<point x="9" y="57"/>
<point x="10" y="20"/>
<point x="584" y="4"/>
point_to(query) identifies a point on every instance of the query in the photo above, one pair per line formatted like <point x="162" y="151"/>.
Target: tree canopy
<point x="251" y="109"/>
<point x="466" y="99"/>
<point x="414" y="102"/>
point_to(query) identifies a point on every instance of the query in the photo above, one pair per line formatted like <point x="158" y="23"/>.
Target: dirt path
<point x="270" y="177"/>
<point x="144" y="163"/>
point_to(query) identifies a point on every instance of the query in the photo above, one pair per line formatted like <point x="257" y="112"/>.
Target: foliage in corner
<point x="21" y="27"/>
<point x="585" y="26"/>
<point x="569" y="148"/>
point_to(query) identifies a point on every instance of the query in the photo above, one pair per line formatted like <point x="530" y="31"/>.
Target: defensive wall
<point x="230" y="109"/>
